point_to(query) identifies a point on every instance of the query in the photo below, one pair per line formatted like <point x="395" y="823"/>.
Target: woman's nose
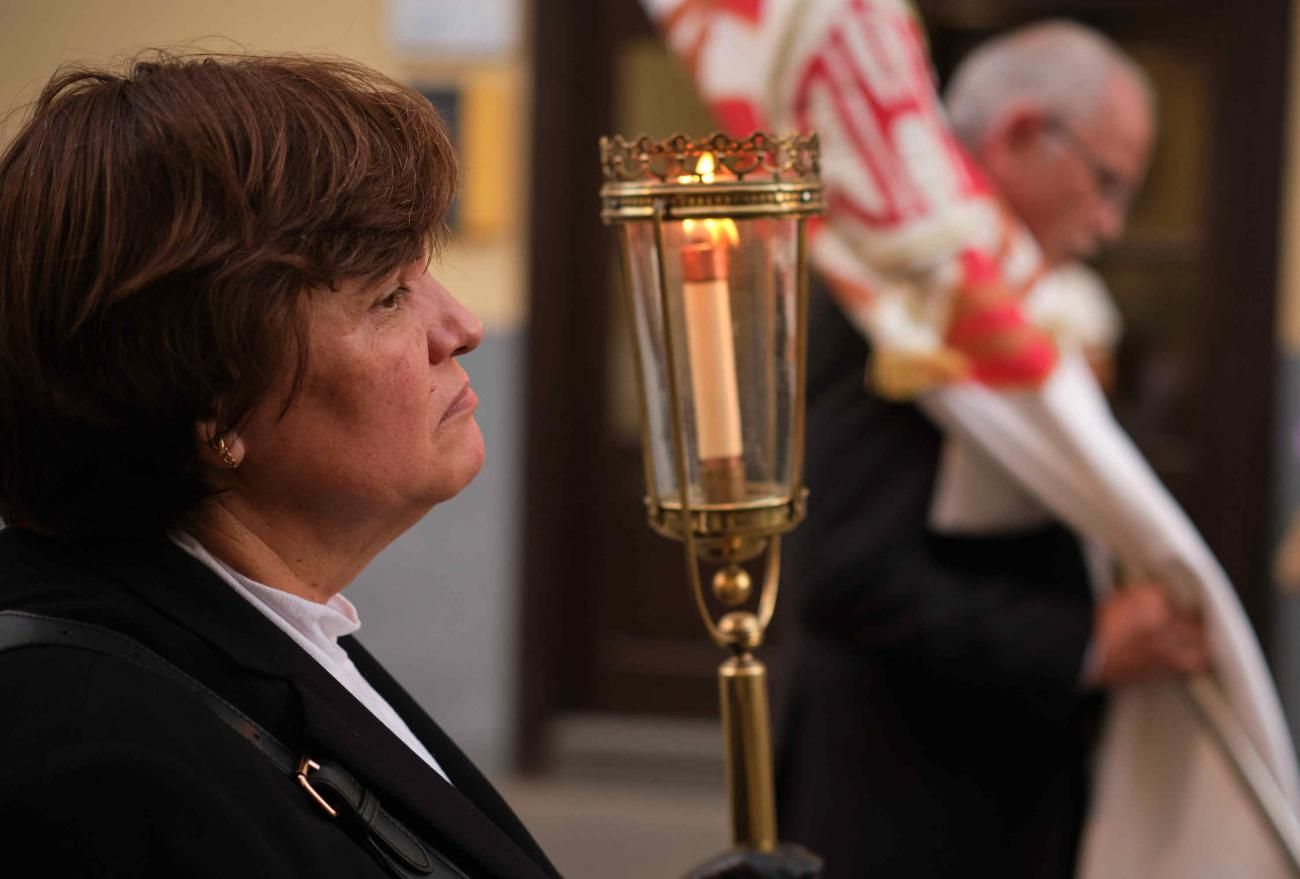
<point x="470" y="327"/>
<point x="455" y="329"/>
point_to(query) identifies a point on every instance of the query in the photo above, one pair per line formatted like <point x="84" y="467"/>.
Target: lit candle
<point x="715" y="392"/>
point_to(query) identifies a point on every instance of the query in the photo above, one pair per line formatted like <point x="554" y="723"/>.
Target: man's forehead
<point x="1122" y="127"/>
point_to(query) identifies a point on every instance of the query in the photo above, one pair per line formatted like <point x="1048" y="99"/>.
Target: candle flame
<point x="717" y="232"/>
<point x="704" y="169"/>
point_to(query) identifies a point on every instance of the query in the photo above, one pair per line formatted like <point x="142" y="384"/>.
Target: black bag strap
<point x="339" y="794"/>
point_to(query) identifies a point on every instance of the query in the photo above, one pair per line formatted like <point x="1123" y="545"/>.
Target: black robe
<point x="933" y="723"/>
<point x="109" y="770"/>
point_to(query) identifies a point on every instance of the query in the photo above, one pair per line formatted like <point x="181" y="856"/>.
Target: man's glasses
<point x="1111" y="185"/>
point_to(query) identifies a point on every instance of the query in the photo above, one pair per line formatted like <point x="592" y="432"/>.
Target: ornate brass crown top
<point x="718" y="175"/>
<point x="794" y="157"/>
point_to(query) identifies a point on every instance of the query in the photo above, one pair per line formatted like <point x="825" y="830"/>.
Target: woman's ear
<point x="223" y="450"/>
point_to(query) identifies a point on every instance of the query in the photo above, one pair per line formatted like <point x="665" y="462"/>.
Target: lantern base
<point x="757" y="855"/>
<point x="786" y="861"/>
<point x="762" y="517"/>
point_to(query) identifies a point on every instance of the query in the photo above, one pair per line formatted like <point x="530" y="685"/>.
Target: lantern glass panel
<point x="732" y="288"/>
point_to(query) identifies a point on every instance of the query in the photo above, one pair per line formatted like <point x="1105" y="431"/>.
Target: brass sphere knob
<point x="732" y="585"/>
<point x="741" y="630"/>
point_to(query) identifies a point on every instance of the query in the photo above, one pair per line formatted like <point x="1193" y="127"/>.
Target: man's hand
<point x="1141" y="634"/>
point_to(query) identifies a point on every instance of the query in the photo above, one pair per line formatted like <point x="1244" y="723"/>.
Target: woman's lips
<point x="466" y="401"/>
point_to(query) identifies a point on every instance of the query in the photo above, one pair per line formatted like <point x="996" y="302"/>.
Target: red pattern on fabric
<point x="738" y="116"/>
<point x="978" y="268"/>
<point x="1001" y="344"/>
<point x="750" y="11"/>
<point x="870" y="120"/>
<point x="973" y="329"/>
<point x="1028" y="367"/>
<point x="885" y="114"/>
<point x="817" y="76"/>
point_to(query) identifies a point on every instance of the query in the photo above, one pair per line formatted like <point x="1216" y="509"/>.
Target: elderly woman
<point x="227" y="381"/>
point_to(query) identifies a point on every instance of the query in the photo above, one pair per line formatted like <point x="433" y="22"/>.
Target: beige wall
<point x="38" y="35"/>
<point x="484" y="267"/>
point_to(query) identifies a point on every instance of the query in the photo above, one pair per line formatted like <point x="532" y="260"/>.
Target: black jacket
<point x="934" y="725"/>
<point x="107" y="769"/>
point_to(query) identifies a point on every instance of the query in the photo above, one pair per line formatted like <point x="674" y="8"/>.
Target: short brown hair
<point x="159" y="228"/>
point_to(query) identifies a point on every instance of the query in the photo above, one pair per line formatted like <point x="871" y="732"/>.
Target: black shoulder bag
<point x="329" y="785"/>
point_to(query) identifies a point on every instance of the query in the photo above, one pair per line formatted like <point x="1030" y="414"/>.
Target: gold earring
<point x="220" y="447"/>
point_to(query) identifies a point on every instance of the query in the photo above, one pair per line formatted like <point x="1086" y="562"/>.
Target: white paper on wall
<point x="484" y="27"/>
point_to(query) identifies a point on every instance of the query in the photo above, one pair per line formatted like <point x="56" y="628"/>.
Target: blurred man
<point x="1061" y="125"/>
<point x="948" y="673"/>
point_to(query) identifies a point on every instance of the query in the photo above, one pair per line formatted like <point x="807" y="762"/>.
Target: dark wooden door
<point x="608" y="624"/>
<point x="607" y="621"/>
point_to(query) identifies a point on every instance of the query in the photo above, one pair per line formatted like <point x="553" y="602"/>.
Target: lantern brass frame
<point x="761" y="176"/>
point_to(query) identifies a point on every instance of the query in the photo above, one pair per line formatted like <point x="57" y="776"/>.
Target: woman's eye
<point x="392" y="300"/>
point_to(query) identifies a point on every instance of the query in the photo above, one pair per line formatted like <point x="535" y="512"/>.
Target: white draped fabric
<point x="1166" y="801"/>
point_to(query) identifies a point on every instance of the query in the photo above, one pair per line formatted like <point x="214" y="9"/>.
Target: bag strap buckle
<point x="305" y="766"/>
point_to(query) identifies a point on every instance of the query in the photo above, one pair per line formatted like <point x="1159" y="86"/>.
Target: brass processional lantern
<point x="715" y="259"/>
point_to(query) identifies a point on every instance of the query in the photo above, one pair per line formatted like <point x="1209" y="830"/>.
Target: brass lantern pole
<point x="732" y="212"/>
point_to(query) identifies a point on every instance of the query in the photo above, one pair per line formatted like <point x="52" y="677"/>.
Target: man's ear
<point x="1018" y="129"/>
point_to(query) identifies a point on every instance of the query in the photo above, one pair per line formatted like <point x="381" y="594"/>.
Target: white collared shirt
<point x="316" y="628"/>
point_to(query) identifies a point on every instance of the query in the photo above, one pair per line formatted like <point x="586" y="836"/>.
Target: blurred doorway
<point x="608" y="622"/>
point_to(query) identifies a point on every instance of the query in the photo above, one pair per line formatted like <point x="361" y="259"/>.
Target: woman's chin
<point x="461" y="466"/>
<point x="477" y="454"/>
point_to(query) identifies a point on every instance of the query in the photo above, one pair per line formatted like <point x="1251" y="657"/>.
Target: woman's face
<point x="382" y="427"/>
